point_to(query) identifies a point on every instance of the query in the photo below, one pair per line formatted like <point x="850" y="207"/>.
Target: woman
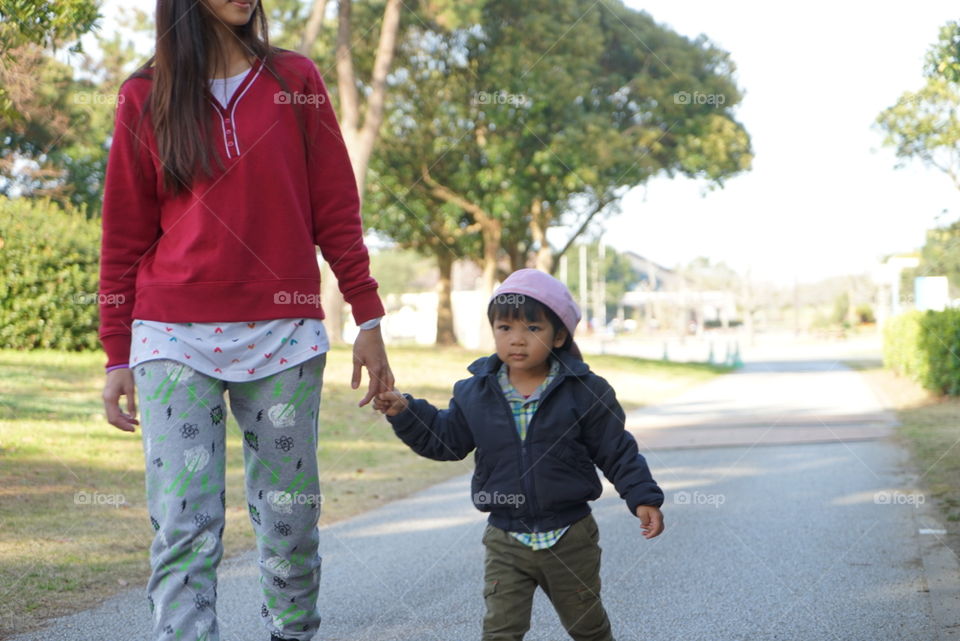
<point x="227" y="167"/>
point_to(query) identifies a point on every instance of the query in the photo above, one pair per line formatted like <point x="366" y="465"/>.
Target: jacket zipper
<point x="523" y="447"/>
<point x="528" y="474"/>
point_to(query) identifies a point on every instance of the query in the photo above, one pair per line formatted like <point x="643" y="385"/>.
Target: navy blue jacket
<point x="543" y="482"/>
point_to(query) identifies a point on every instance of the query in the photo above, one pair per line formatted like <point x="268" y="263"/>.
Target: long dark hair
<point x="185" y="54"/>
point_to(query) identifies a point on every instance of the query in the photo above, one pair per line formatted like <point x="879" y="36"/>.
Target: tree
<point x="925" y="124"/>
<point x="360" y="120"/>
<point x="361" y="133"/>
<point x="362" y="67"/>
<point x="402" y="204"/>
<point x="606" y="113"/>
<point x="43" y="23"/>
<point x="52" y="125"/>
<point x="54" y="145"/>
<point x="943" y="58"/>
<point x="360" y="136"/>
<point x="537" y="130"/>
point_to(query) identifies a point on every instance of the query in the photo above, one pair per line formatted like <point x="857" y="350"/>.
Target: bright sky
<point x="823" y="197"/>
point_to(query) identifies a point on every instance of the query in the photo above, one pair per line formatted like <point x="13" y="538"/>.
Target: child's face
<point x="526" y="345"/>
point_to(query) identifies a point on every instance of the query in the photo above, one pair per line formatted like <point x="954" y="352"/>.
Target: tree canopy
<point x="925" y="124"/>
<point x="521" y="126"/>
<point x="543" y="115"/>
<point x="52" y="124"/>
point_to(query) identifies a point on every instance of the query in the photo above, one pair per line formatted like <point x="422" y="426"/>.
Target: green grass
<point x="58" y="555"/>
<point x="930" y="431"/>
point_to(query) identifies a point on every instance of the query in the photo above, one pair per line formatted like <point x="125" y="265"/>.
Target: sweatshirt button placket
<point x="229" y="132"/>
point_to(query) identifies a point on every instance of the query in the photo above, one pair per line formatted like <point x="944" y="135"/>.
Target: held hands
<point x="369" y="352"/>
<point x="390" y="403"/>
<point x="651" y="520"/>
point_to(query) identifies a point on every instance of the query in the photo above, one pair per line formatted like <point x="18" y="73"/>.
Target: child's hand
<point x="390" y="403"/>
<point x="651" y="520"/>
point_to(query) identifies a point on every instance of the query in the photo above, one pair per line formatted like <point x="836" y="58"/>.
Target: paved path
<point x="766" y="403"/>
<point x="797" y="521"/>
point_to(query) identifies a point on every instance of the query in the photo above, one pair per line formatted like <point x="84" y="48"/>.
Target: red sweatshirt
<point x="238" y="246"/>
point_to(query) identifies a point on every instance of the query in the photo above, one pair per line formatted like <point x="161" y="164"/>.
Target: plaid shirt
<point x="523" y="410"/>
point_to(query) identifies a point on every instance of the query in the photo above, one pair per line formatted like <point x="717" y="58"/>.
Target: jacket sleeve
<point x="335" y="203"/>
<point x="441" y="435"/>
<point x="614" y="450"/>
<point x="131" y="223"/>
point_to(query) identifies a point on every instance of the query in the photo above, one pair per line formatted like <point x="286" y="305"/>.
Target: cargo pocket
<point x="591" y="593"/>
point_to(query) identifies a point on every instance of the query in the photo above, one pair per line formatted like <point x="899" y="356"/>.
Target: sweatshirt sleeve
<point x="336" y="204"/>
<point x="130" y="222"/>
<point x="441" y="435"/>
<point x="614" y="450"/>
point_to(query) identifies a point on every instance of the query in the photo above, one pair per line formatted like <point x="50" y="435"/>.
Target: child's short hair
<point x="514" y="306"/>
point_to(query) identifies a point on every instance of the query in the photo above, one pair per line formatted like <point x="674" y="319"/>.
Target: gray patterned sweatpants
<point x="183" y="427"/>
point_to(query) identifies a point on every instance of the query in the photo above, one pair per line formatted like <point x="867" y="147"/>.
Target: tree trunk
<point x="538" y="231"/>
<point x="518" y="258"/>
<point x="545" y="260"/>
<point x="491" y="231"/>
<point x="445" y="333"/>
<point x="359" y="140"/>
<point x="312" y="29"/>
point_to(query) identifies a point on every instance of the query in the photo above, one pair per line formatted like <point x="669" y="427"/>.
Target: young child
<point x="539" y="421"/>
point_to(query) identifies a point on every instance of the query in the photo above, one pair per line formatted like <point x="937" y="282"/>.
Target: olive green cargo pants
<point x="568" y="572"/>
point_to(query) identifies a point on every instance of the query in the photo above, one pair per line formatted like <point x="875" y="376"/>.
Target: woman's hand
<point x="369" y="352"/>
<point x="120" y="383"/>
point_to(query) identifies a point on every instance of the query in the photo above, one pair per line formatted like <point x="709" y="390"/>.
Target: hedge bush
<point x="925" y="346"/>
<point x="49" y="258"/>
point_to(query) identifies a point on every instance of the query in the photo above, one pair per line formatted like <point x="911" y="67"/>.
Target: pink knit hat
<point x="545" y="289"/>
